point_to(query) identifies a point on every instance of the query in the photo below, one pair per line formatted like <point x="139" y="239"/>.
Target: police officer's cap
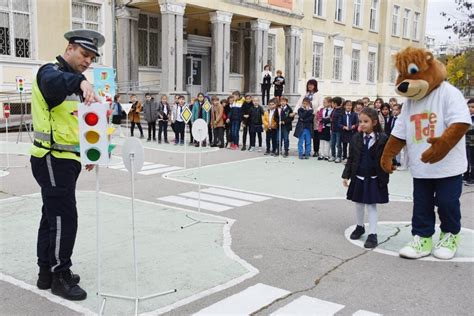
<point x="88" y="39"/>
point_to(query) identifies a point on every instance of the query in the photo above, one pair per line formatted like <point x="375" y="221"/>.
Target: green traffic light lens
<point x="93" y="154"/>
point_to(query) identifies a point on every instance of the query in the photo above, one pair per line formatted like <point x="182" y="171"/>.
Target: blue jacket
<point x="336" y="120"/>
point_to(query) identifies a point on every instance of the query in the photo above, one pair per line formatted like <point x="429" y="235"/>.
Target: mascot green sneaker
<point x="447" y="246"/>
<point x="417" y="248"/>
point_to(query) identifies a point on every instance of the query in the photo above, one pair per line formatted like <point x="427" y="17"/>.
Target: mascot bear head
<point x="419" y="73"/>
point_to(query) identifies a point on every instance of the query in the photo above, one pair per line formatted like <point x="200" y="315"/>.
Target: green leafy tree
<point x="460" y="70"/>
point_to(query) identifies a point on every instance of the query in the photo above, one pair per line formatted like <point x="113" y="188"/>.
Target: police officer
<point x="55" y="161"/>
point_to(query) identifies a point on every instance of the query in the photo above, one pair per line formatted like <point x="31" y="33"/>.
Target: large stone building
<point x="217" y="46"/>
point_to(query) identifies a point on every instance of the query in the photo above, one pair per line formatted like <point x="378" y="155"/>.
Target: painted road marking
<point x="194" y="203"/>
<point x="217" y="199"/>
<point x="245" y="302"/>
<point x="149" y="168"/>
<point x="159" y="170"/>
<point x="238" y="195"/>
<point x="362" y="312"/>
<point x="306" y="305"/>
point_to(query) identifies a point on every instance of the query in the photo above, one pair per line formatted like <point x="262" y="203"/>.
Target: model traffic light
<point x="20" y="84"/>
<point x="93" y="137"/>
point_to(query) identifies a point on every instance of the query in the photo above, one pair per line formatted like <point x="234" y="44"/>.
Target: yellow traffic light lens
<point x="93" y="154"/>
<point x="92" y="137"/>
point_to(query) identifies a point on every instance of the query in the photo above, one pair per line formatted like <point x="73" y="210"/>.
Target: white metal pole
<point x="97" y="212"/>
<point x="199" y="180"/>
<point x="132" y="171"/>
<point x="6" y="144"/>
<point x="185" y="146"/>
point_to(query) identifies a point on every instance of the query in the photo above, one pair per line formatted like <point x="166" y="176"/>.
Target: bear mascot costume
<point x="431" y="125"/>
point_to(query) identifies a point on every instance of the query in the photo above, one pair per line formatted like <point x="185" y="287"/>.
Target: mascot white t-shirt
<point x="429" y="117"/>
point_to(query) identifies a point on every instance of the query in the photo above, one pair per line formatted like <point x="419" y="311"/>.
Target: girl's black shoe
<point x="357" y="233"/>
<point x="371" y="241"/>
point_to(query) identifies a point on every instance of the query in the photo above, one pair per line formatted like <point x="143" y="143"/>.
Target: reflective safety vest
<point x="56" y="130"/>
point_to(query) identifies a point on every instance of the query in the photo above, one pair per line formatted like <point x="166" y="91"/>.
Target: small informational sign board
<point x="104" y="83"/>
<point x="206" y="106"/>
<point x="199" y="130"/>
<point x="126" y="107"/>
<point x="6" y="111"/>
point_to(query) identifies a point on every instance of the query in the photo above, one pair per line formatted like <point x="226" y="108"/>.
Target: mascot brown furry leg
<point x="432" y="125"/>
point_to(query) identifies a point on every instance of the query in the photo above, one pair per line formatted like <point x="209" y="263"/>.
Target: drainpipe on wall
<point x="114" y="37"/>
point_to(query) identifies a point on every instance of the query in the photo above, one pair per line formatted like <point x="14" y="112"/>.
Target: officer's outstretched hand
<point x="88" y="92"/>
<point x="89" y="167"/>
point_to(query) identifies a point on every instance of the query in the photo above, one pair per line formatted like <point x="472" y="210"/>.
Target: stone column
<point x="220" y="52"/>
<point x="292" y="62"/>
<point x="258" y="53"/>
<point x="171" y="81"/>
<point x="127" y="42"/>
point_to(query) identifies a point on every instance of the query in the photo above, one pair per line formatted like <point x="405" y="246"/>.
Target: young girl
<point x="368" y="182"/>
<point x="266" y="83"/>
<point x="324" y="117"/>
<point x="278" y="83"/>
<point x="384" y="117"/>
<point x="164" y="110"/>
<point x="303" y="129"/>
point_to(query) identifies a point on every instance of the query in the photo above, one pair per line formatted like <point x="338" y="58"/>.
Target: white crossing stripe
<point x="122" y="166"/>
<point x="160" y="170"/>
<point x="306" y="305"/>
<point x="246" y="302"/>
<point x="362" y="312"/>
<point x="194" y="203"/>
<point x="217" y="199"/>
<point x="237" y="195"/>
<point x="153" y="166"/>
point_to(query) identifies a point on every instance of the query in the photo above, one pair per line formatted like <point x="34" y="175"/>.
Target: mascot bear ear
<point x="429" y="57"/>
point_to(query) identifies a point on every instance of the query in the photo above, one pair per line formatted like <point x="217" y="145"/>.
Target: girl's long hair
<point x="314" y="83"/>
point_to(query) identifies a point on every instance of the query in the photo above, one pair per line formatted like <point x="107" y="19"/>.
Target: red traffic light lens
<point x="91" y="119"/>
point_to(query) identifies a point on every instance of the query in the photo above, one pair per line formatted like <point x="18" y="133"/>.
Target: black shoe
<point x="64" y="286"/>
<point x="243" y="148"/>
<point x="267" y="153"/>
<point x="320" y="158"/>
<point x="45" y="277"/>
<point x="315" y="155"/>
<point x="148" y="140"/>
<point x="371" y="241"/>
<point x="285" y="154"/>
<point x="358" y="231"/>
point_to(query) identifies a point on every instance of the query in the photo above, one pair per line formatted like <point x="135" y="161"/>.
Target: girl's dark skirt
<point x="367" y="191"/>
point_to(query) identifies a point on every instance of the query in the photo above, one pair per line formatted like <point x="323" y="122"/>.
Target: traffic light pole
<point x="22" y="121"/>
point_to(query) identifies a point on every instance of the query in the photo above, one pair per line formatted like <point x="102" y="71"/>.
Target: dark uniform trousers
<point x="58" y="227"/>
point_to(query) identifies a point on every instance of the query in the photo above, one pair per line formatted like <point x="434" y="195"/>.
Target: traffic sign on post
<point x="186" y="114"/>
<point x="6" y="111"/>
<point x="93" y="139"/>
<point x="20" y="84"/>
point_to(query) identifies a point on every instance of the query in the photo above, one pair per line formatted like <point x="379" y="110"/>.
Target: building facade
<point x="217" y="46"/>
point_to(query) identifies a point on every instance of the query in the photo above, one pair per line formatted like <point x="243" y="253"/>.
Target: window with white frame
<point x="371" y="62"/>
<point x="15" y="34"/>
<point x="234" y="51"/>
<point x="373" y="15"/>
<point x="317" y="60"/>
<point x="416" y="20"/>
<point x="357" y="13"/>
<point x="405" y="25"/>
<point x="355" y="65"/>
<point x="395" y="17"/>
<point x="86" y="15"/>
<point x="149" y="48"/>
<point x="337" y="63"/>
<point x="271" y="50"/>
<point x="318" y="8"/>
<point x="339" y="14"/>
